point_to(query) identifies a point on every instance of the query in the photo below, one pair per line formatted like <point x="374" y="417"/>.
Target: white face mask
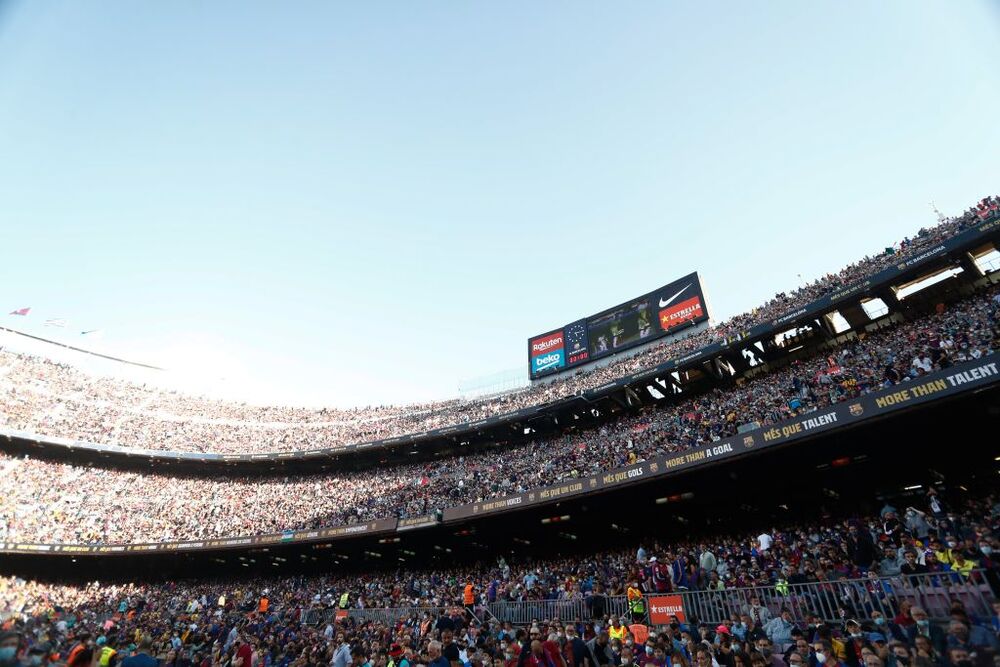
<point x="821" y="658"/>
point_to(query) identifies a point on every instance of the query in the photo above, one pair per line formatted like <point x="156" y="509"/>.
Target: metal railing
<point x="832" y="601"/>
<point x="837" y="601"/>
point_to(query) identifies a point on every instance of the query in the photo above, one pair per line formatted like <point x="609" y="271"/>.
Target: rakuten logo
<point x="553" y="342"/>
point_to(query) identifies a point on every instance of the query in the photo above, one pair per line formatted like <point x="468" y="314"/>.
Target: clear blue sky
<point x="368" y="201"/>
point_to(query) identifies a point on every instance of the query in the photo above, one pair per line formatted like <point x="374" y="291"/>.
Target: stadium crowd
<point x="55" y="502"/>
<point x="63" y="503"/>
<point x="262" y="621"/>
<point x="54" y="399"/>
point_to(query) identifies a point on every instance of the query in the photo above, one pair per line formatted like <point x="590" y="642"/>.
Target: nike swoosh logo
<point x="664" y="304"/>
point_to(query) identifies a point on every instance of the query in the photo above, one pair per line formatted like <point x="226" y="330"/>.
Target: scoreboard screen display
<point x="627" y="325"/>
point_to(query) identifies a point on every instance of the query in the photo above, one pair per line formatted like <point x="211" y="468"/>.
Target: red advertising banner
<point x="662" y="607"/>
<point x="549" y="343"/>
<point x="680" y="313"/>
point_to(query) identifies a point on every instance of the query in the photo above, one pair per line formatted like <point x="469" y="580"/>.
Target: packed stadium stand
<point x="50" y="399"/>
<point x="800" y="495"/>
<point x="45" y="503"/>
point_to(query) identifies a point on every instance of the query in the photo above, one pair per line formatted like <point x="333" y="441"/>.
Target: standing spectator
<point x="758" y="613"/>
<point x="600" y="650"/>
<point x="861" y="546"/>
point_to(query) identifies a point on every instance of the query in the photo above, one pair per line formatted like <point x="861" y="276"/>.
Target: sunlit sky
<point x="353" y="203"/>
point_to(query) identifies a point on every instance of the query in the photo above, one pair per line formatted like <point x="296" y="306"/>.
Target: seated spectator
<point x="922" y="627"/>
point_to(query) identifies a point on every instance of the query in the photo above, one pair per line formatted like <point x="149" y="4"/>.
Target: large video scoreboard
<point x="627" y="325"/>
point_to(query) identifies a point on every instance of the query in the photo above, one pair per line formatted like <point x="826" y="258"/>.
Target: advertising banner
<point x="662" y="607"/>
<point x="941" y="384"/>
<point x="289" y="536"/>
<point x="934" y="386"/>
<point x="547" y="353"/>
<point x="415" y="522"/>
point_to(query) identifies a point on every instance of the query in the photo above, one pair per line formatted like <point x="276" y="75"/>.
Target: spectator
<point x="600" y="650"/>
<point x="923" y="627"/>
<point x="779" y="630"/>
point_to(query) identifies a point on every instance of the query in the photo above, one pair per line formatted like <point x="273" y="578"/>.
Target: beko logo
<point x="541" y="363"/>
<point x="664" y="304"/>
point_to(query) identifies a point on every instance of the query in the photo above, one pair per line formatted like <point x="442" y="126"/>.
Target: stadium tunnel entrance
<point x="951" y="446"/>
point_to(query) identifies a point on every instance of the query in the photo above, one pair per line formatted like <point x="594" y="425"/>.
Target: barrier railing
<point x="832" y="601"/>
<point x="836" y="601"/>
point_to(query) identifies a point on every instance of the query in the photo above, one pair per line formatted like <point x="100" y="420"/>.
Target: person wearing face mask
<point x="801" y="649"/>
<point x="726" y="655"/>
<point x="766" y="649"/>
<point x="647" y="655"/>
<point x="854" y="644"/>
<point x="575" y="650"/>
<point x="510" y="658"/>
<point x="887" y="627"/>
<point x="923" y="627"/>
<point x="899" y="655"/>
<point x="636" y="602"/>
<point x="824" y="655"/>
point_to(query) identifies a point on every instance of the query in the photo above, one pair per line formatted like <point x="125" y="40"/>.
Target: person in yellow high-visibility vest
<point x="106" y="655"/>
<point x="636" y="602"/>
<point x="617" y="630"/>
